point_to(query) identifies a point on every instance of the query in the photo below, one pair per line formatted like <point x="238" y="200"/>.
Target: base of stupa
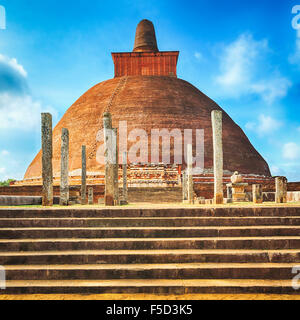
<point x="142" y="186"/>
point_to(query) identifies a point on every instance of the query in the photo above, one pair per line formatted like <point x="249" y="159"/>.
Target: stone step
<point x="147" y="222"/>
<point x="262" y="243"/>
<point x="149" y="232"/>
<point x="23" y="200"/>
<point x="154" y="195"/>
<point x="146" y="212"/>
<point x="155" y="286"/>
<point x="149" y="256"/>
<point x="279" y="271"/>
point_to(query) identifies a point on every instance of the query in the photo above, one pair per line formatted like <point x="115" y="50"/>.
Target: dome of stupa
<point x="147" y="94"/>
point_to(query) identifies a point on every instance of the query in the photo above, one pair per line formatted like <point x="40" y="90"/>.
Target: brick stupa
<point x="147" y="94"/>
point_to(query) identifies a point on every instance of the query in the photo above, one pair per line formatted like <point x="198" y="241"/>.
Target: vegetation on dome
<point x="6" y="183"/>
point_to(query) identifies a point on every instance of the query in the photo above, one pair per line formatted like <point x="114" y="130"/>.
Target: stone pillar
<point x="229" y="192"/>
<point x="257" y="193"/>
<point x="190" y="185"/>
<point x="216" y="118"/>
<point x="64" y="168"/>
<point x="83" y="176"/>
<point x="184" y="187"/>
<point x="116" y="166"/>
<point x="125" y="186"/>
<point x="47" y="169"/>
<point x="281" y="190"/>
<point x="90" y="196"/>
<point x="108" y="154"/>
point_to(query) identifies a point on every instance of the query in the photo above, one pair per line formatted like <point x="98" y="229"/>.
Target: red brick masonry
<point x="145" y="63"/>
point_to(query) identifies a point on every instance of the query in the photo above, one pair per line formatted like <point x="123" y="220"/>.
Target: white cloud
<point x="18" y="109"/>
<point x="237" y="60"/>
<point x="275" y="170"/>
<point x="13" y="63"/>
<point x="20" y="112"/>
<point x="4" y="153"/>
<point x="271" y="89"/>
<point x="250" y="125"/>
<point x="198" y="55"/>
<point x="291" y="151"/>
<point x="240" y="65"/>
<point x="291" y="171"/>
<point x="2" y="170"/>
<point x="265" y="124"/>
<point x="268" y="124"/>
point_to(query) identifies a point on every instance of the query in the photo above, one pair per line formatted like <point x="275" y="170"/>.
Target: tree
<point x="6" y="183"/>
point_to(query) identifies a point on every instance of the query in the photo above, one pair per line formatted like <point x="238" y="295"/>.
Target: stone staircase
<point x="155" y="195"/>
<point x="163" y="251"/>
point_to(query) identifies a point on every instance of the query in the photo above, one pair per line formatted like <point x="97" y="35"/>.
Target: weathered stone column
<point x="64" y="168"/>
<point x="83" y="176"/>
<point x="90" y="196"/>
<point x="281" y="190"/>
<point x="257" y="193"/>
<point x="190" y="185"/>
<point x="184" y="187"/>
<point x="229" y="192"/>
<point x="108" y="154"/>
<point x="116" y="166"/>
<point x="125" y="186"/>
<point x="216" y="118"/>
<point x="47" y="169"/>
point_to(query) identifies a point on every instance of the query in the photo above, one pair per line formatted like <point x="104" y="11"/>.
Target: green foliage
<point x="6" y="183"/>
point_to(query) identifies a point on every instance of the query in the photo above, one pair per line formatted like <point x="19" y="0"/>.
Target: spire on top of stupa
<point x="145" y="59"/>
<point x="145" y="39"/>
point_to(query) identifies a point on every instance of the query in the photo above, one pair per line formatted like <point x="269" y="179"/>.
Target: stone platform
<point x="150" y="250"/>
<point x="23" y="200"/>
<point x="144" y="192"/>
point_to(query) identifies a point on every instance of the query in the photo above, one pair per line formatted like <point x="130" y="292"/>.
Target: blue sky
<point x="243" y="54"/>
